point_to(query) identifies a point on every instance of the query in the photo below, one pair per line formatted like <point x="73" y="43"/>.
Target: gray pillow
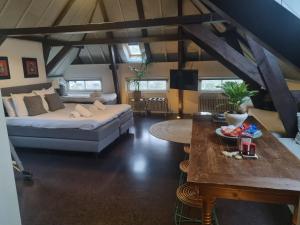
<point x="34" y="105"/>
<point x="54" y="102"/>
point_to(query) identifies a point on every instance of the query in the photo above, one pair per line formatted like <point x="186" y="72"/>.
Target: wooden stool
<point x="187" y="149"/>
<point x="188" y="195"/>
<point x="184" y="166"/>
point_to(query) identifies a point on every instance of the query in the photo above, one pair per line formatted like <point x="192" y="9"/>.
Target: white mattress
<point x="61" y="118"/>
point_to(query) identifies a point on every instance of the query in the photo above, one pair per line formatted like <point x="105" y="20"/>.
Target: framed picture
<point x="4" y="68"/>
<point x="30" y="67"/>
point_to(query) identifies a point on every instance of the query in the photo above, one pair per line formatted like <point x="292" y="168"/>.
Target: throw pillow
<point x="20" y="107"/>
<point x="9" y="106"/>
<point x="44" y="92"/>
<point x="54" y="102"/>
<point x="34" y="105"/>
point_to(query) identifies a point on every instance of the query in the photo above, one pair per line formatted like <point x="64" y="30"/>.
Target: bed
<point x="56" y="130"/>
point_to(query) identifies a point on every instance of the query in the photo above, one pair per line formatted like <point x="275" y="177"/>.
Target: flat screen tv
<point x="184" y="79"/>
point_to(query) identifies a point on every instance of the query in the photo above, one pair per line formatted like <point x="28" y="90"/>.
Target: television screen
<point x="184" y="79"/>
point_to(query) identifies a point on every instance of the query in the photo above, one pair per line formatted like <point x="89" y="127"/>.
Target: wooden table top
<point x="276" y="168"/>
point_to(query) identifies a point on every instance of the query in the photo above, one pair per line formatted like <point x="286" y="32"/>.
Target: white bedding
<point x="61" y="118"/>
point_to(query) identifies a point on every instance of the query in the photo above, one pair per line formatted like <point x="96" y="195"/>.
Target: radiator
<point x="214" y="103"/>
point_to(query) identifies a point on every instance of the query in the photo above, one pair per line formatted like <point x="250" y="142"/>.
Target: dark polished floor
<point x="132" y="182"/>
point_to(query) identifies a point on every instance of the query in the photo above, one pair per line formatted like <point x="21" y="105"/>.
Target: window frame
<point x="85" y="90"/>
<point x="215" y="91"/>
<point x="151" y="90"/>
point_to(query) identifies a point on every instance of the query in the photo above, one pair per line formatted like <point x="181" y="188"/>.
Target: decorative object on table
<point x="237" y="94"/>
<point x="232" y="132"/>
<point x="139" y="74"/>
<point x="59" y="85"/>
<point x="30" y="67"/>
<point x="4" y="68"/>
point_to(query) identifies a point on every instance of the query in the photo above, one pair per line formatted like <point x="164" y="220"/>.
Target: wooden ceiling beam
<point x="63" y="13"/>
<point x="114" y="69"/>
<point x="109" y="34"/>
<point x="59" y="56"/>
<point x="225" y="54"/>
<point x="89" y="28"/>
<point x="282" y="98"/>
<point x="2" y="39"/>
<point x="141" y="13"/>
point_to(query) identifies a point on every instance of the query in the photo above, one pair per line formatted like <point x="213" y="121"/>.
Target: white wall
<point x="92" y="72"/>
<point x="16" y="49"/>
<point x="207" y="69"/>
<point x="9" y="209"/>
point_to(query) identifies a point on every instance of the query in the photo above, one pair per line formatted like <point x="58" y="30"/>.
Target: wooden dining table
<point x="272" y="178"/>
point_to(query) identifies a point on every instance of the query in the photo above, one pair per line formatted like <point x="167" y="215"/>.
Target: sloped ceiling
<point x="37" y="13"/>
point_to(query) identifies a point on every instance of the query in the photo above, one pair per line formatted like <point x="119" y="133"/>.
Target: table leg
<point x="208" y="205"/>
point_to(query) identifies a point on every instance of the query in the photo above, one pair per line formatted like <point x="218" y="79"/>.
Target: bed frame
<point x="66" y="139"/>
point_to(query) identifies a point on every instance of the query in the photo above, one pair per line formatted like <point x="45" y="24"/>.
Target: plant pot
<point x="137" y="95"/>
<point x="235" y="119"/>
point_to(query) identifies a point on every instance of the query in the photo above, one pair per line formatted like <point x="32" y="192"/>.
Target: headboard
<point x="24" y="89"/>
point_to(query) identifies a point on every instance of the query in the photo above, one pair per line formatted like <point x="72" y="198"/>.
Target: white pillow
<point x="42" y="94"/>
<point x="20" y="107"/>
<point x="9" y="106"/>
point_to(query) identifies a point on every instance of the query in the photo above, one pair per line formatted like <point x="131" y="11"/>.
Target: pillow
<point x="34" y="105"/>
<point x="54" y="102"/>
<point x="9" y="106"/>
<point x="297" y="138"/>
<point x="44" y="92"/>
<point x="20" y="107"/>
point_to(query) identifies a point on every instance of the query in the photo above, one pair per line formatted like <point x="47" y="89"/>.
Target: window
<point x="213" y="85"/>
<point x="292" y="5"/>
<point x="85" y="85"/>
<point x="149" y="85"/>
<point x="134" y="50"/>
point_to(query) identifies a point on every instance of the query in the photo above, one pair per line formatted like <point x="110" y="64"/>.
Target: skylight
<point x="134" y="50"/>
<point x="292" y="5"/>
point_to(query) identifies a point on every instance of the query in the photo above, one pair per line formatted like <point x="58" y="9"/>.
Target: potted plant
<point x="237" y="93"/>
<point x="139" y="73"/>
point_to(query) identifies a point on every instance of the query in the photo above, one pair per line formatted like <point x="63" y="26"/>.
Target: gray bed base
<point x="70" y="139"/>
<point x="66" y="139"/>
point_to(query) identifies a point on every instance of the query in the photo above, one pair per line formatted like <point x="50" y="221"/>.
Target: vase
<point x="235" y="119"/>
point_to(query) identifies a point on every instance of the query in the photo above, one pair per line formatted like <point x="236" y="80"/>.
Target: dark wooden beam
<point x="181" y="60"/>
<point x="275" y="28"/>
<point x="59" y="56"/>
<point x="89" y="28"/>
<point x="116" y="40"/>
<point x="63" y="13"/>
<point x="225" y="54"/>
<point x="282" y="98"/>
<point x="109" y="34"/>
<point x="140" y="9"/>
<point x="2" y="39"/>
<point x="46" y="52"/>
<point x="114" y="69"/>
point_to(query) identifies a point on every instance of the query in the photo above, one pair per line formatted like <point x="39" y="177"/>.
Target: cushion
<point x="20" y="107"/>
<point x="44" y="92"/>
<point x="34" y="105"/>
<point x="9" y="106"/>
<point x="54" y="102"/>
